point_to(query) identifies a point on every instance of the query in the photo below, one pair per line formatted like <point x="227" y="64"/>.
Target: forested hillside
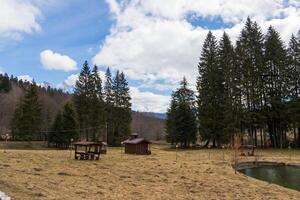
<point x="52" y="100"/>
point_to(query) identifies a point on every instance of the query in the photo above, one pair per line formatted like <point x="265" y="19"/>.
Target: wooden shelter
<point x="136" y="145"/>
<point x="89" y="150"/>
<point x="247" y="150"/>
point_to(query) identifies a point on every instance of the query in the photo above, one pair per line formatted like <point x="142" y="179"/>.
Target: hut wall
<point x="140" y="148"/>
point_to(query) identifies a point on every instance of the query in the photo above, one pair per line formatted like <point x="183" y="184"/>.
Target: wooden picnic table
<point x="85" y="150"/>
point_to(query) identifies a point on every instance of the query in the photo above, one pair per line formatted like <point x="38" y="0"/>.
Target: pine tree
<point x="125" y="106"/>
<point x="108" y="93"/>
<point x="70" y="124"/>
<point x="171" y="123"/>
<point x="5" y="84"/>
<point x="65" y="127"/>
<point x="108" y="96"/>
<point x="27" y="118"/>
<point x="121" y="109"/>
<point x="294" y="65"/>
<point x="276" y="86"/>
<point x="232" y="93"/>
<point x="97" y="115"/>
<point x="82" y="98"/>
<point x="294" y="83"/>
<point x="181" y="124"/>
<point x="56" y="135"/>
<point x="210" y="89"/>
<point x="250" y="61"/>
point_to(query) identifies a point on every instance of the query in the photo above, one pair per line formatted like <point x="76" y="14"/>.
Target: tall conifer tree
<point x="97" y="112"/>
<point x="82" y="98"/>
<point x="181" y="124"/>
<point x="27" y="121"/>
<point x="250" y="61"/>
<point x="276" y="84"/>
<point x="210" y="89"/>
<point x="232" y="93"/>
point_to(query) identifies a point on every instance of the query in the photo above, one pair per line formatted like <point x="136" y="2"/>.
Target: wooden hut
<point x="89" y="150"/>
<point x="136" y="145"/>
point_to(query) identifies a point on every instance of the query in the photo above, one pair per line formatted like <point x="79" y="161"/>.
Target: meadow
<point x="165" y="174"/>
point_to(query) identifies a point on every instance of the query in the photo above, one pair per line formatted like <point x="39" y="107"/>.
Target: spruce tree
<point x="27" y="118"/>
<point x="294" y="83"/>
<point x="56" y="135"/>
<point x="181" y="123"/>
<point x="108" y="96"/>
<point x="250" y="61"/>
<point x="294" y="65"/>
<point x="5" y="84"/>
<point x="276" y="86"/>
<point x="70" y="123"/>
<point x="121" y="109"/>
<point x="97" y="112"/>
<point x="232" y="93"/>
<point x="64" y="127"/>
<point x="210" y="87"/>
<point x="171" y="135"/>
<point x="125" y="105"/>
<point x="108" y="93"/>
<point x="82" y="99"/>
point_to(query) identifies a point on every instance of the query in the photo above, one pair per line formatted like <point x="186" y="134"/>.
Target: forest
<point x="95" y="111"/>
<point x="250" y="89"/>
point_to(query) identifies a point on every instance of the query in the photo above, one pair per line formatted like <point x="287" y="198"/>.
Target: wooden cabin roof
<point x="87" y="143"/>
<point x="135" y="141"/>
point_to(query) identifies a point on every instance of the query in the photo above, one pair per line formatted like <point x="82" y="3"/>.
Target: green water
<point x="286" y="176"/>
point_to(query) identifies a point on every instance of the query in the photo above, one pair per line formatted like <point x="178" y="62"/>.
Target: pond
<point x="287" y="176"/>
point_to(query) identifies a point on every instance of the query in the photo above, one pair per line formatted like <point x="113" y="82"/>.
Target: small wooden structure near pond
<point x="136" y="145"/>
<point x="85" y="150"/>
<point x="247" y="150"/>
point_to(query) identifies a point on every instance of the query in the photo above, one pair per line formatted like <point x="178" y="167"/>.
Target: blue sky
<point x="70" y="29"/>
<point x="154" y="42"/>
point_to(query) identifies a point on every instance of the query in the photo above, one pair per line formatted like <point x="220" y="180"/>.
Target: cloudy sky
<point x="155" y="42"/>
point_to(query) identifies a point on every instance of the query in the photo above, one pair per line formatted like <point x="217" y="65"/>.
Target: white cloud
<point x="69" y="83"/>
<point x="155" y="41"/>
<point x="18" y="17"/>
<point x="55" y="61"/>
<point x="25" y="78"/>
<point x="71" y="80"/>
<point x="148" y="101"/>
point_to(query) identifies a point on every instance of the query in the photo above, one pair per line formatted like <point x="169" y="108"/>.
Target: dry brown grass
<point x="197" y="174"/>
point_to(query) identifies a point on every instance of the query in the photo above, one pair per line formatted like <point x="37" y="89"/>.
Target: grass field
<point x="197" y="174"/>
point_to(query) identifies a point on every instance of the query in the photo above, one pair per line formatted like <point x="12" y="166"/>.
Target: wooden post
<point x="71" y="140"/>
<point x="121" y="148"/>
<point x="290" y="152"/>
<point x="223" y="153"/>
<point x="176" y="151"/>
<point x="6" y="137"/>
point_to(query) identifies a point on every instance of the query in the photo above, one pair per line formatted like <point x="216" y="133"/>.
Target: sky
<point x="154" y="42"/>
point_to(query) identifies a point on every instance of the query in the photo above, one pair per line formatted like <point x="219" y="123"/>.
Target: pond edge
<point x="252" y="164"/>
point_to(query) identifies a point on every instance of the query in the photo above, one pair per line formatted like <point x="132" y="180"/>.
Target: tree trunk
<point x="295" y="134"/>
<point x="206" y="144"/>
<point x="255" y="137"/>
<point x="261" y="138"/>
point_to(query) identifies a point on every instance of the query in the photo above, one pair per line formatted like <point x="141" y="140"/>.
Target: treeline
<point x="252" y="89"/>
<point x="7" y="81"/>
<point x="94" y="112"/>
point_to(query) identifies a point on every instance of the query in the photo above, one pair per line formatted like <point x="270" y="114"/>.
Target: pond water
<point x="286" y="176"/>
